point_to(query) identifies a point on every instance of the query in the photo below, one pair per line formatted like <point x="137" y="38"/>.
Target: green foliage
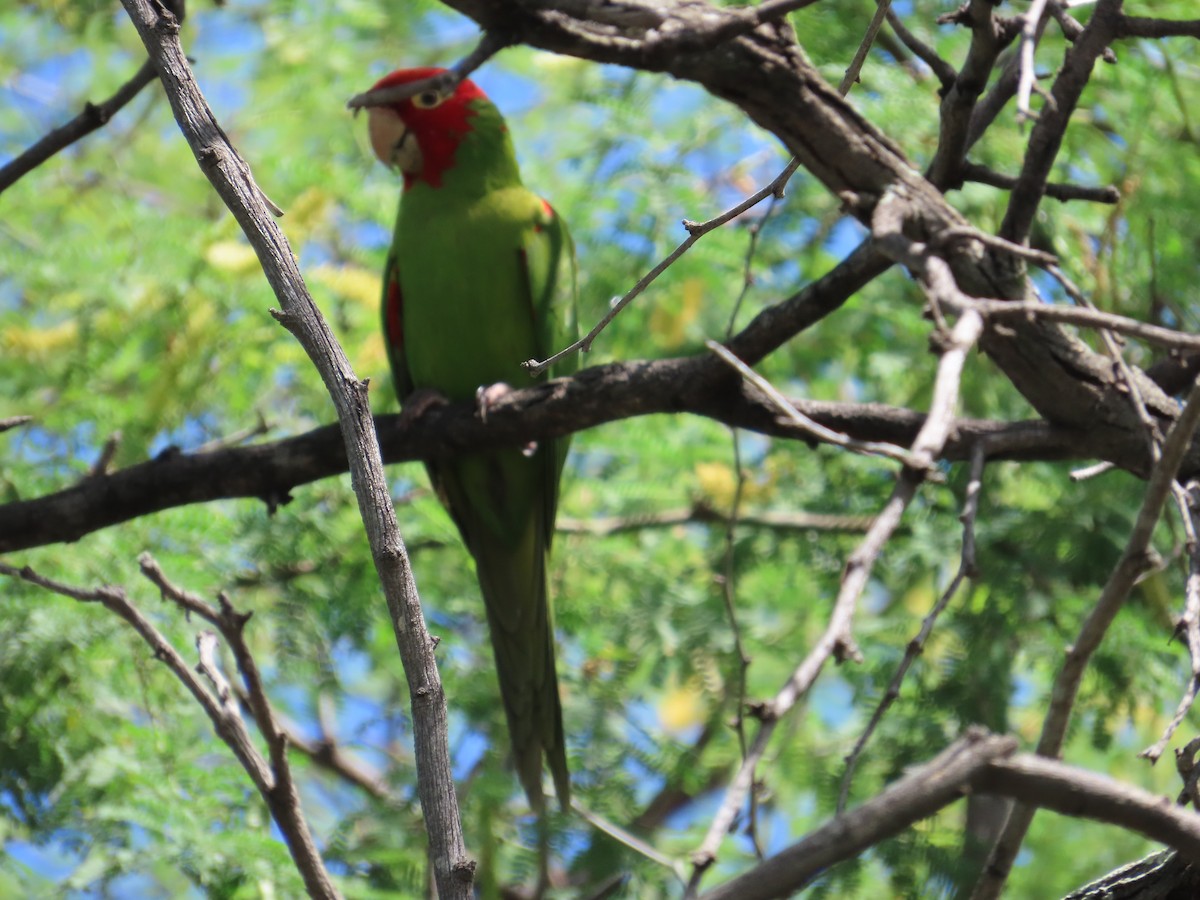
<point x="131" y="305"/>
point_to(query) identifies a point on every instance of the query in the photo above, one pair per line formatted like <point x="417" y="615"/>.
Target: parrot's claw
<point x="420" y="402"/>
<point x="487" y="395"/>
<point x="529" y="449"/>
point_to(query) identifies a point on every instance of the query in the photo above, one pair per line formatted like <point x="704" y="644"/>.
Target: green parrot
<point x="481" y="276"/>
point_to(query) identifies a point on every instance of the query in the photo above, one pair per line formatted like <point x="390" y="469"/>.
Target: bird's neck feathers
<point x="469" y="161"/>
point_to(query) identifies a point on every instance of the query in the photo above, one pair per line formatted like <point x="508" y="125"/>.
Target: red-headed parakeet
<point x="481" y="276"/>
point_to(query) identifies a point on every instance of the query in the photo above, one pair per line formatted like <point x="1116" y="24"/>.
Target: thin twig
<point x="259" y="429"/>
<point x="916" y="646"/>
<point x="632" y="841"/>
<point x="942" y="70"/>
<point x="700" y="513"/>
<point x="1091" y="471"/>
<point x="273" y="780"/>
<point x="327" y="753"/>
<point x="1029" y="32"/>
<point x="1152" y="434"/>
<point x="14" y="422"/>
<point x="108" y="452"/>
<point x="491" y="43"/>
<point x="728" y="577"/>
<point x="206" y="646"/>
<point x="1188" y="625"/>
<point x="1055" y="190"/>
<point x="803" y="422"/>
<point x="696" y="230"/>
<point x="1088" y="318"/>
<point x="850" y="78"/>
<point x="948" y="237"/>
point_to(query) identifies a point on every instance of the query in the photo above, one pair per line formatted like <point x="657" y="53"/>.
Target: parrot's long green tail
<point x="513" y="580"/>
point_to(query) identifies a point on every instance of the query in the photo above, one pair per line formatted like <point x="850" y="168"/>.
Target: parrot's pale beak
<point x="392" y="140"/>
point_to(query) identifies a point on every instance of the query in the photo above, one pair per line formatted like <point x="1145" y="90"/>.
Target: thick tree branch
<point x="977" y="762"/>
<point x="1143" y="27"/>
<point x="271" y="470"/>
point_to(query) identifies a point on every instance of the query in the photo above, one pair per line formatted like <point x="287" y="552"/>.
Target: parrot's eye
<point x="427" y="100"/>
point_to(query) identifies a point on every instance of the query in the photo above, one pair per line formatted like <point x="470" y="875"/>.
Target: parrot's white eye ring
<point x="428" y="100"/>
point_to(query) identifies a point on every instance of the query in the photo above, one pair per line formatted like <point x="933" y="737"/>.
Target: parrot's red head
<point x="420" y="134"/>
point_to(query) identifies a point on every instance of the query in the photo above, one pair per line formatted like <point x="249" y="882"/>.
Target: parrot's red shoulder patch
<point x="547" y="216"/>
<point x="395" y="318"/>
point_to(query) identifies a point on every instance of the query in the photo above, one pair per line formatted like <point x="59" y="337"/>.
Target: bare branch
<point x="803" y="423"/>
<point x="231" y="177"/>
<point x="696" y="230"/>
<point x="920" y="793"/>
<point x="1129" y="567"/>
<point x="1029" y="35"/>
<point x="988" y="37"/>
<point x="977" y="762"/>
<point x="944" y="72"/>
<point x="837" y="638"/>
<point x="270" y="471"/>
<point x="1188" y="625"/>
<point x="1054" y="190"/>
<point x="1047" y="134"/>
<point x="1189" y="771"/>
<point x="94" y="116"/>
<point x="489" y="45"/>
<point x="916" y="646"/>
<point x="273" y="780"/>
<point x="850" y="78"/>
<point x="14" y="422"/>
<point x="784" y="521"/>
<point x="1143" y="27"/>
<point x="632" y="841"/>
<point x="1089" y="318"/>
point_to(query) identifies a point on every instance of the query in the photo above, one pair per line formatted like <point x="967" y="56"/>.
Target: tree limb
<point x="233" y="181"/>
<point x="269" y="471"/>
<point x="976" y="762"/>
<point x="94" y="116"/>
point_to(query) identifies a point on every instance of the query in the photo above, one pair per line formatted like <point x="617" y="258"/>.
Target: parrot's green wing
<point x="549" y="257"/>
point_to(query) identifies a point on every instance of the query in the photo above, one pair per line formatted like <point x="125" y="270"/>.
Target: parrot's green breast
<point x="468" y="322"/>
<point x="467" y="313"/>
